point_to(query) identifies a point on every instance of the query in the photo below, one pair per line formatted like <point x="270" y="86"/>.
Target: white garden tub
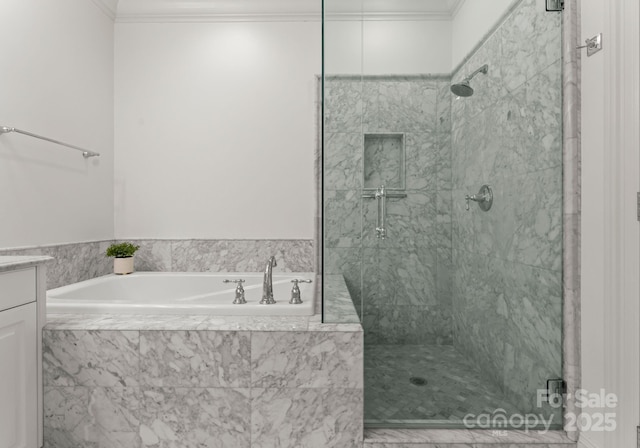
<point x="180" y="293"/>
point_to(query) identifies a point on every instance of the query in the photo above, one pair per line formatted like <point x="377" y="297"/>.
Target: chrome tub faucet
<point x="267" y="283"/>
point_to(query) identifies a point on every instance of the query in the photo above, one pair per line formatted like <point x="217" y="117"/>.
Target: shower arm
<point x="484" y="69"/>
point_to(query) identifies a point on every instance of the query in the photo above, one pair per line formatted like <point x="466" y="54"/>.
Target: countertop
<point x="12" y="262"/>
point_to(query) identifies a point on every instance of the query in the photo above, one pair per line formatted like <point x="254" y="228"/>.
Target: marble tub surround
<point x="75" y="262"/>
<point x="217" y="381"/>
<point x="398" y="276"/>
<point x="199" y="255"/>
<point x="507" y="276"/>
<point x="72" y="263"/>
<point x="338" y="304"/>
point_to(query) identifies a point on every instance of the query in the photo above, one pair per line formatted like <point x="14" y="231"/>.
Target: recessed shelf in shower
<point x="384" y="161"/>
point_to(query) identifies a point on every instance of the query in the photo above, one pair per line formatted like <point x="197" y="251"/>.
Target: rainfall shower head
<point x="463" y="88"/>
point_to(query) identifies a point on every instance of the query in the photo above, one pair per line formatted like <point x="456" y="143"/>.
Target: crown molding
<point x="207" y="16"/>
<point x="131" y="11"/>
<point x="108" y="7"/>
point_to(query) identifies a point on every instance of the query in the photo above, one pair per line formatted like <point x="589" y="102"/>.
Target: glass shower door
<point x="461" y="304"/>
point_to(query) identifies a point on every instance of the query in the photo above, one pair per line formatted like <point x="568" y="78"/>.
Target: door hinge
<point x="556" y="388"/>
<point x="638" y="206"/>
<point x="555" y="5"/>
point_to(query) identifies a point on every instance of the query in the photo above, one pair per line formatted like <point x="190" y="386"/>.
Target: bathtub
<point x="180" y="293"/>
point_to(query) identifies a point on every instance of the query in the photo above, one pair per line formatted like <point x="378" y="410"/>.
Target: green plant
<point x="122" y="250"/>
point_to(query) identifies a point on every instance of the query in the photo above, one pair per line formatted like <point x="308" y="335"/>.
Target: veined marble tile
<point x="444" y="277"/>
<point x="195" y="358"/>
<point x="399" y="276"/>
<point x="537" y="238"/>
<point x="74" y="321"/>
<point x="331" y="327"/>
<point x="241" y="255"/>
<point x="543" y="35"/>
<point x="306" y="360"/>
<point x="508" y="320"/>
<point x="443" y="218"/>
<point x="531" y="123"/>
<point x="343" y="106"/>
<point x="407" y="324"/>
<point x="263" y="323"/>
<point x="97" y="417"/>
<point x="343" y="218"/>
<point x="421" y="160"/>
<point x="90" y="358"/>
<point x="195" y="417"/>
<point x="310" y="418"/>
<point x="346" y="262"/>
<point x="65" y="409"/>
<point x="409" y="221"/>
<point x="443" y="106"/>
<point x="443" y="136"/>
<point x="474" y="438"/>
<point x="475" y="151"/>
<point x="399" y="106"/>
<point x="150" y="322"/>
<point x="72" y="263"/>
<point x="343" y="161"/>
<point x="488" y="89"/>
<point x="153" y="255"/>
<point x="525" y="231"/>
<point x="338" y="304"/>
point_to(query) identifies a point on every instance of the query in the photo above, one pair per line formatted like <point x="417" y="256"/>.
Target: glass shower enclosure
<point x="442" y="206"/>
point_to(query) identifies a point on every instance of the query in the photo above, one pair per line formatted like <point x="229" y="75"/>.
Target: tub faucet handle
<point x="239" y="300"/>
<point x="295" y="292"/>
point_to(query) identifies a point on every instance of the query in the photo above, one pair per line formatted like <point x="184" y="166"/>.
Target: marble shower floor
<point x="453" y="389"/>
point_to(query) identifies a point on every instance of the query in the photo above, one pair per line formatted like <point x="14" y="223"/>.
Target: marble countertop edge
<point x="14" y="262"/>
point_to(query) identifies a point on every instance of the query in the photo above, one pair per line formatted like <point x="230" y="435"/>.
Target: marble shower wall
<point x="401" y="286"/>
<point x="76" y="262"/>
<point x="507" y="285"/>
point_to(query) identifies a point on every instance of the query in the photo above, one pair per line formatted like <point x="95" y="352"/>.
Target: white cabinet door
<point x="18" y="378"/>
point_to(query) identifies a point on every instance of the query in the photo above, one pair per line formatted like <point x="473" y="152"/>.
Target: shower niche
<point x="384" y="161"/>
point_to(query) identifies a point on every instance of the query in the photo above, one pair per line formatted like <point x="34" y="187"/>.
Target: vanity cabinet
<point x="21" y="320"/>
<point x="18" y="377"/>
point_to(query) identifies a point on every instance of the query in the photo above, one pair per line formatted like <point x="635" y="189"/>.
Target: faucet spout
<point x="267" y="282"/>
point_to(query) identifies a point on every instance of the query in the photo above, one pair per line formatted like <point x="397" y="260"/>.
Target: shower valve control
<point x="239" y="300"/>
<point x="484" y="198"/>
<point x="295" y="292"/>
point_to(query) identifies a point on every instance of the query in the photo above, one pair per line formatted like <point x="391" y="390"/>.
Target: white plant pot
<point x="123" y="265"/>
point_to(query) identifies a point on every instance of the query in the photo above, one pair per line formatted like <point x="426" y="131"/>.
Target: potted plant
<point x="122" y="254"/>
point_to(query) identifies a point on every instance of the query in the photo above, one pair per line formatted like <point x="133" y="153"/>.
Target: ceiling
<point x="201" y="10"/>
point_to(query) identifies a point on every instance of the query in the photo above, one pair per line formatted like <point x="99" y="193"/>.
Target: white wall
<point x="215" y="129"/>
<point x="56" y="79"/>
<point x="473" y="20"/>
<point x="383" y="47"/>
<point x="592" y="259"/>
<point x="610" y="241"/>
